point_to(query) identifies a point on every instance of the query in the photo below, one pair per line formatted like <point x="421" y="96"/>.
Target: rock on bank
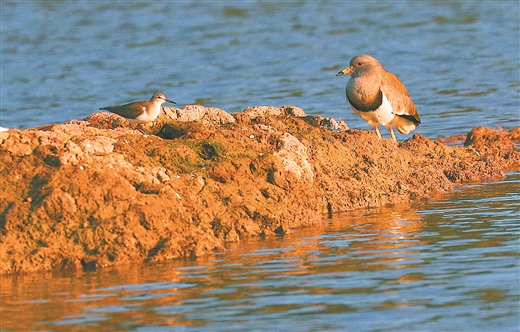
<point x="94" y="193"/>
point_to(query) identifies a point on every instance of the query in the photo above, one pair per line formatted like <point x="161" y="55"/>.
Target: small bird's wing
<point x="132" y="110"/>
<point x="399" y="98"/>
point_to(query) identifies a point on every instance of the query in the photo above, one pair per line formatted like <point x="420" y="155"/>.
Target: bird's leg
<point x="393" y="134"/>
<point x="377" y="132"/>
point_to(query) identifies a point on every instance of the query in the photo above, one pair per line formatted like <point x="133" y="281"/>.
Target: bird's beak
<point x="170" y="101"/>
<point x="347" y="70"/>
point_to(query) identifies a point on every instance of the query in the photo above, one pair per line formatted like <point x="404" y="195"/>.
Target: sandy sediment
<point x="93" y="193"/>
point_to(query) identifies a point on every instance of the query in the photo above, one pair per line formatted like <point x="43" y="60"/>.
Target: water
<point x="62" y="60"/>
<point x="448" y="264"/>
<point x="451" y="263"/>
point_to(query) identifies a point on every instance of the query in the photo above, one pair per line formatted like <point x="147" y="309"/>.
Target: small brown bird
<point x="379" y="97"/>
<point x="140" y="111"/>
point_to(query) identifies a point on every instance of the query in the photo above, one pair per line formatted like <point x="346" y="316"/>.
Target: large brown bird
<point x="379" y="97"/>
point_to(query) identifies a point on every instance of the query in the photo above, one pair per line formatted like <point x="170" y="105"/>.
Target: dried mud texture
<point x="92" y="193"/>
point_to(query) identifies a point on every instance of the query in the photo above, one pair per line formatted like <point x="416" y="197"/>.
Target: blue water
<point x="63" y="60"/>
<point x="448" y="264"/>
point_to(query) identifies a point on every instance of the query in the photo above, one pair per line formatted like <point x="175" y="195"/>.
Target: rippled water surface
<point x="61" y="60"/>
<point x="448" y="264"/>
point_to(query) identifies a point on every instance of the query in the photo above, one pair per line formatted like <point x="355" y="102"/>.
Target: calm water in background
<point x="448" y="264"/>
<point x="62" y="60"/>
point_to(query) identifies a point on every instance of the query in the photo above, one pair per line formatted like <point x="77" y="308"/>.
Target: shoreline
<point x="94" y="193"/>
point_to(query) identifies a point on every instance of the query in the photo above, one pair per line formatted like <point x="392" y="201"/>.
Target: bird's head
<point x="160" y="98"/>
<point x="360" y="65"/>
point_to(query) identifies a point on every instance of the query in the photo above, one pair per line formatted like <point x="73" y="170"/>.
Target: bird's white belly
<point x="149" y="116"/>
<point x="382" y="115"/>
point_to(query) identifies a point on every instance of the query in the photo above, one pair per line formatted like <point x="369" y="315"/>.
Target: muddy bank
<point x="94" y="192"/>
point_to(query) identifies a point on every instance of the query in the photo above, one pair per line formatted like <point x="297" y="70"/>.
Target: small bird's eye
<point x="359" y="64"/>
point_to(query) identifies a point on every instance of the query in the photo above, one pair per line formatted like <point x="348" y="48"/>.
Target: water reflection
<point x="447" y="264"/>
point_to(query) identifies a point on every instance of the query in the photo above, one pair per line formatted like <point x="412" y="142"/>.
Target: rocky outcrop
<point x="93" y="192"/>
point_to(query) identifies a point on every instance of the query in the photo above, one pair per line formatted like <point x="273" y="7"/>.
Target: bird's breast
<point x="382" y="114"/>
<point x="363" y="102"/>
<point x="364" y="94"/>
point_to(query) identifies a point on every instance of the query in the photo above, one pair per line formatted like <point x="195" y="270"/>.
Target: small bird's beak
<point x="170" y="101"/>
<point x="347" y="70"/>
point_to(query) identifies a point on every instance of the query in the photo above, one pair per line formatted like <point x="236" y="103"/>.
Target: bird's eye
<point x="359" y="64"/>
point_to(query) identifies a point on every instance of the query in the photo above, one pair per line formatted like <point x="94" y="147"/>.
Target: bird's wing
<point x="131" y="110"/>
<point x="398" y="96"/>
